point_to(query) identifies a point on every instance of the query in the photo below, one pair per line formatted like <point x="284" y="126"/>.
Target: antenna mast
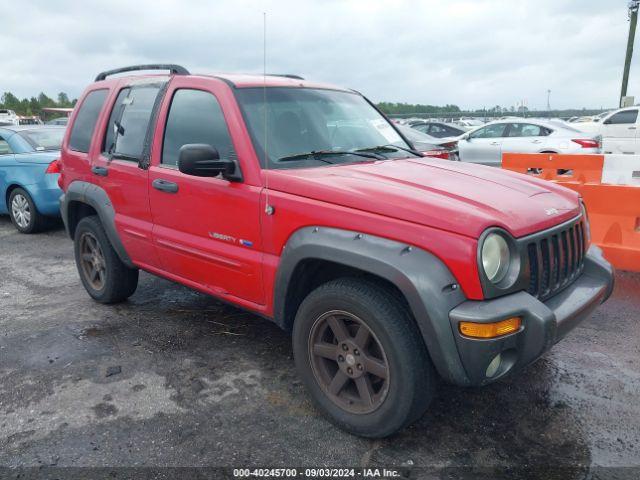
<point x="268" y="208"/>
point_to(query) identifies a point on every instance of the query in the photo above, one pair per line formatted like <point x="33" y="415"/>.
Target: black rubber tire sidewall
<point x="121" y="281"/>
<point x="412" y="378"/>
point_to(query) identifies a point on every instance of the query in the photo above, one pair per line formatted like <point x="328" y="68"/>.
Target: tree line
<point x="34" y="105"/>
<point x="395" y="108"/>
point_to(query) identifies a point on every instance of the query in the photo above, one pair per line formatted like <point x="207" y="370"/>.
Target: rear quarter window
<point x="86" y="119"/>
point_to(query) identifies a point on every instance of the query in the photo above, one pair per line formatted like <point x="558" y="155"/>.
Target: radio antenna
<point x="268" y="208"/>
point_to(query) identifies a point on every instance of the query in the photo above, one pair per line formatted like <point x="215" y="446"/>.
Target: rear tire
<point x="23" y="212"/>
<point x="105" y="278"/>
<point x="371" y="388"/>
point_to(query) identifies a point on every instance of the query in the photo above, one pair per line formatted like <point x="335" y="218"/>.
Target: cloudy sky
<point x="473" y="53"/>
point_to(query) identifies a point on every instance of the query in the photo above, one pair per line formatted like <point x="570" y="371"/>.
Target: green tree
<point x="63" y="100"/>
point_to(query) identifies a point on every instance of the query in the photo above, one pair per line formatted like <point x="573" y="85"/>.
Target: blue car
<point x="29" y="172"/>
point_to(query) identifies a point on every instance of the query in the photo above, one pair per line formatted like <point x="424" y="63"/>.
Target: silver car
<point x="486" y="144"/>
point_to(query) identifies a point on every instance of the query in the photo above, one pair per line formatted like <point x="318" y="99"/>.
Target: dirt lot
<point x="175" y="378"/>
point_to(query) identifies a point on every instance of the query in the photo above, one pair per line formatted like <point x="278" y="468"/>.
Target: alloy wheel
<point x="92" y="261"/>
<point x="21" y="211"/>
<point x="348" y="362"/>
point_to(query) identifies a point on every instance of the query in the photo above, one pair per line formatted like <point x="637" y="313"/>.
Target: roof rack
<point x="174" y="69"/>
<point x="286" y="75"/>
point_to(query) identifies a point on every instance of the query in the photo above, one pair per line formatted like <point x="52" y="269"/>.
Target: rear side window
<point x="526" y="130"/>
<point x="4" y="146"/>
<point x="85" y="122"/>
<point x="627" y="116"/>
<point x="195" y="117"/>
<point x="129" y="122"/>
<point x="490" y="131"/>
<point x="109" y="137"/>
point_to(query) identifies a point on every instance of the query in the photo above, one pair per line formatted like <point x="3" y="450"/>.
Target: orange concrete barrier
<point x="556" y="167"/>
<point x="614" y="210"/>
<point x="614" y="215"/>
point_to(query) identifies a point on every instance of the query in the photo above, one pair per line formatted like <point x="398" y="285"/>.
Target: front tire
<point x="23" y="212"/>
<point x="362" y="358"/>
<point x="104" y="276"/>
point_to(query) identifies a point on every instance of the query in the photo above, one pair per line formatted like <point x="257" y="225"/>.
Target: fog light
<point x="493" y="367"/>
<point x="490" y="330"/>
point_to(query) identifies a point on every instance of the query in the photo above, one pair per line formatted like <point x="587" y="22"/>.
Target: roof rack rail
<point x="174" y="69"/>
<point x="286" y="75"/>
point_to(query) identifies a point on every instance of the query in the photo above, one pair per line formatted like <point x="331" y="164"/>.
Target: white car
<point x="486" y="144"/>
<point x="8" y="117"/>
<point x="468" y="123"/>
<point x="619" y="130"/>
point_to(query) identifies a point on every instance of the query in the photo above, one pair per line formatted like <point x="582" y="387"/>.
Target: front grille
<point x="556" y="260"/>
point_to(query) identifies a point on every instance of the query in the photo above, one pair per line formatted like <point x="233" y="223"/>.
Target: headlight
<point x="495" y="257"/>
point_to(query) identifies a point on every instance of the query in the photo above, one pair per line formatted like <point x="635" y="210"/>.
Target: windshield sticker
<point x="385" y="130"/>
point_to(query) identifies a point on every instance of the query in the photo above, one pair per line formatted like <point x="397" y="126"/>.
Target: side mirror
<point x="607" y="121"/>
<point x="202" y="160"/>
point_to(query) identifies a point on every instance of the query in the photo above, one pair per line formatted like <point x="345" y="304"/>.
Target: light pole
<point x="633" y="19"/>
<point x="548" y="102"/>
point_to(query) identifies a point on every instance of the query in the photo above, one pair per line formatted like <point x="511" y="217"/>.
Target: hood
<point x="47" y="156"/>
<point x="459" y="197"/>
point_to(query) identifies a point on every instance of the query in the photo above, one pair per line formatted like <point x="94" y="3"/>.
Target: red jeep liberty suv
<point x="303" y="203"/>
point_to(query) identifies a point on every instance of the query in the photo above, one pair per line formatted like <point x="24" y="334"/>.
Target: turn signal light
<point x="490" y="330"/>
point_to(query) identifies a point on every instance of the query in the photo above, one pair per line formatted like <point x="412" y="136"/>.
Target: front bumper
<point x="543" y="323"/>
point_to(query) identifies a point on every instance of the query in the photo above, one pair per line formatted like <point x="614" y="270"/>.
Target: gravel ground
<point x="174" y="378"/>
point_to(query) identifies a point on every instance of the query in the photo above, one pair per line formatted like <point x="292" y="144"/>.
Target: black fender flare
<point x="429" y="287"/>
<point x="96" y="197"/>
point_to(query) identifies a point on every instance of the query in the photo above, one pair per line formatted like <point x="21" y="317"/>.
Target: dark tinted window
<point x="85" y="121"/>
<point x="627" y="116"/>
<point x="136" y="107"/>
<point x="115" y="113"/>
<point x="195" y="117"/>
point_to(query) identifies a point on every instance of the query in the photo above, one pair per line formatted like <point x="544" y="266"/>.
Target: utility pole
<point x="633" y="19"/>
<point x="548" y="102"/>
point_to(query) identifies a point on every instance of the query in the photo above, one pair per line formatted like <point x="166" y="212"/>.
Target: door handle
<point x="165" y="185"/>
<point x="536" y="141"/>
<point x="100" y="171"/>
<point x="632" y="128"/>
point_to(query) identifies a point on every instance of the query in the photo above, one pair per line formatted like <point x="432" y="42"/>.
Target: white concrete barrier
<point x="621" y="170"/>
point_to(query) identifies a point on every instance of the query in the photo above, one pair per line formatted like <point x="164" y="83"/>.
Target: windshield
<point x="302" y="121"/>
<point x="44" y="139"/>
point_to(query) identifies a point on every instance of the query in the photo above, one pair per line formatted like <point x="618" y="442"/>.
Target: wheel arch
<point x="313" y="255"/>
<point x="82" y="199"/>
<point x="10" y="188"/>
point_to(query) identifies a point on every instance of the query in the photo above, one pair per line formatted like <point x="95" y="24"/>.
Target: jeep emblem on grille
<point x="551" y="211"/>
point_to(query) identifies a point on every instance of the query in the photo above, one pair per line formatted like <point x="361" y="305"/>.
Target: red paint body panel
<point x="195" y="235"/>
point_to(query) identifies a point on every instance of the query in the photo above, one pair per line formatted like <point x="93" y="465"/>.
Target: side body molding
<point x="427" y="284"/>
<point x="97" y="198"/>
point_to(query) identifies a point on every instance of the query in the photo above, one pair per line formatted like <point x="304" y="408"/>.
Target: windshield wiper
<point x="319" y="154"/>
<point x="388" y="148"/>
